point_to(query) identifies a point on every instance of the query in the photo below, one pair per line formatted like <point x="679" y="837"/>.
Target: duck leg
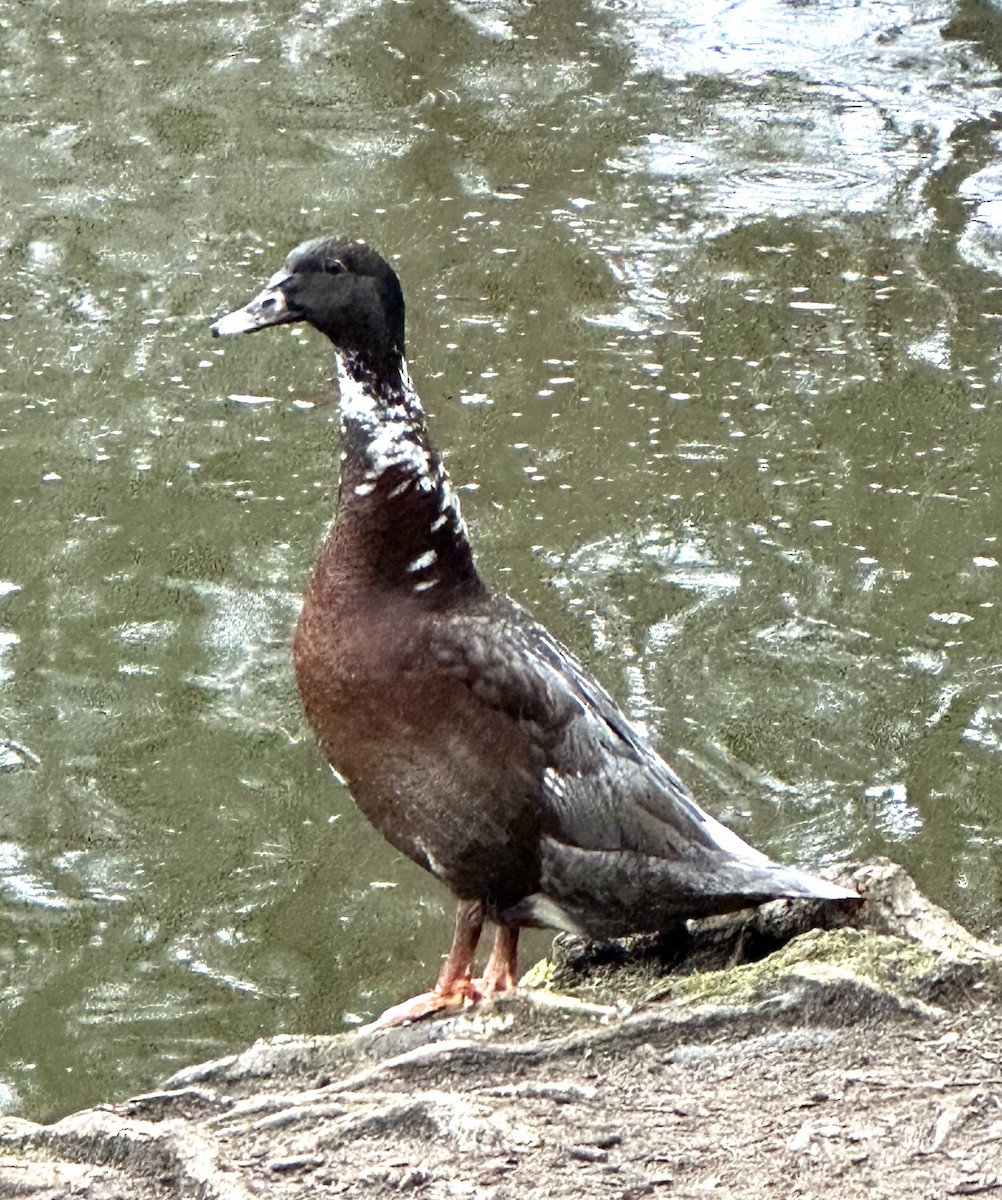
<point x="454" y="977"/>
<point x="500" y="974"/>
<point x="455" y="986"/>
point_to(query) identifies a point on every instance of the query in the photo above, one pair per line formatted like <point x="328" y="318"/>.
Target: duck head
<point x="341" y="287"/>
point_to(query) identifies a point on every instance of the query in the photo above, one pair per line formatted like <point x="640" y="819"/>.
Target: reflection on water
<point x="704" y="307"/>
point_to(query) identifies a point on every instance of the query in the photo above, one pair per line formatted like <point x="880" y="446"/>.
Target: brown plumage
<point x="473" y="740"/>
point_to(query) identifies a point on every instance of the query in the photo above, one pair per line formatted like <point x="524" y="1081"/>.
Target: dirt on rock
<point x="862" y="1059"/>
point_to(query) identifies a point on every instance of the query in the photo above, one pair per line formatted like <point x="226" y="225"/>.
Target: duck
<point x="474" y="741"/>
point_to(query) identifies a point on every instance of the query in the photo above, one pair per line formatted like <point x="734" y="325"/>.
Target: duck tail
<point x="794" y="883"/>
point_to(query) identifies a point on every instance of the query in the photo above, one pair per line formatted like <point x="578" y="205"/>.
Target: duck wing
<point x="623" y="845"/>
<point x="603" y="786"/>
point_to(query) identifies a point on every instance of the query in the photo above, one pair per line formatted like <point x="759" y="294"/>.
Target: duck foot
<point x="455" y="990"/>
<point x="428" y="1004"/>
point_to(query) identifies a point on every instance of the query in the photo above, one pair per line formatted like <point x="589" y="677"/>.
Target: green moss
<point x="885" y="963"/>
<point x="540" y="975"/>
<point x="903" y="970"/>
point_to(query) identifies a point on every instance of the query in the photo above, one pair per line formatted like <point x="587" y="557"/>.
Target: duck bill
<point x="269" y="307"/>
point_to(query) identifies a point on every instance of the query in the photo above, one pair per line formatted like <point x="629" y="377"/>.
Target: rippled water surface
<point x="706" y="309"/>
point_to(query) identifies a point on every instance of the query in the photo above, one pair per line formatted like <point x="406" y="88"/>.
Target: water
<point x="705" y="308"/>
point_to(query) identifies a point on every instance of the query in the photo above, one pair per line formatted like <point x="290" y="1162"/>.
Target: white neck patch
<point x="391" y="423"/>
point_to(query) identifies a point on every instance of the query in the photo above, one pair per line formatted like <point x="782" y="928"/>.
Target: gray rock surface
<point x="861" y="1059"/>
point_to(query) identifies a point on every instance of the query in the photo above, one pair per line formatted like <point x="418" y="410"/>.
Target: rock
<point x="853" y="1049"/>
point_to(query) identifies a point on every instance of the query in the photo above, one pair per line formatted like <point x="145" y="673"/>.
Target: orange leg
<point x="454" y="987"/>
<point x="454" y="977"/>
<point x="501" y="972"/>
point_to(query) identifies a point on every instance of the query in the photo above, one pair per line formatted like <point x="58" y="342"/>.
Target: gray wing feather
<point x="603" y="787"/>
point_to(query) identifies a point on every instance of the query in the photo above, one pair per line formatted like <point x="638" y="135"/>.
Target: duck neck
<point x="398" y="524"/>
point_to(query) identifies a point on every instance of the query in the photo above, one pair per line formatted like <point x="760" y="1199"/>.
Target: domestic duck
<point x="475" y="742"/>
